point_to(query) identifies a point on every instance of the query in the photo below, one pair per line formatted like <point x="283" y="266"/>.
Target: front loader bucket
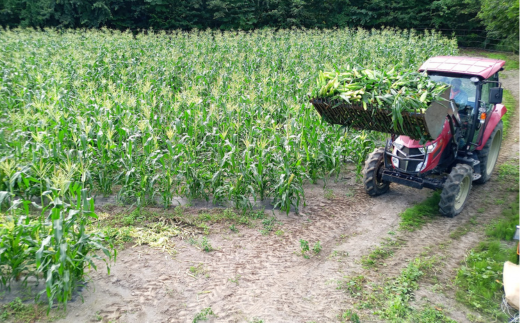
<point x="416" y="125"/>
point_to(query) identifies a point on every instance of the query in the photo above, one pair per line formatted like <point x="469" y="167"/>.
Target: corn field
<point x="220" y="116"/>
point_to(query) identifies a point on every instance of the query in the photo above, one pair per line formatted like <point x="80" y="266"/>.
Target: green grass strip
<point x="478" y="280"/>
<point x="510" y="103"/>
<point x="421" y="213"/>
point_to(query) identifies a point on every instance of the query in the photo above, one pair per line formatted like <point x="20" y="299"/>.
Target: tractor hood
<point x="462" y="65"/>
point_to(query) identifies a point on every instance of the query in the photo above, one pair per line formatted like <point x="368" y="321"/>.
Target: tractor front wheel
<point x="373" y="172"/>
<point x="456" y="190"/>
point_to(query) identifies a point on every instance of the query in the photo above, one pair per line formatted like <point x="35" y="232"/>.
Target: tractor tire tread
<point x="451" y="189"/>
<point x="369" y="170"/>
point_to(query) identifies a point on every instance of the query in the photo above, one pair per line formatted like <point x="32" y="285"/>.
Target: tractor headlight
<point x="398" y="144"/>
<point x="421" y="166"/>
<point x="395" y="161"/>
<point x="429" y="148"/>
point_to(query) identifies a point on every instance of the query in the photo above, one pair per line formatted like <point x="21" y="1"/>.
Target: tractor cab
<point x="475" y="90"/>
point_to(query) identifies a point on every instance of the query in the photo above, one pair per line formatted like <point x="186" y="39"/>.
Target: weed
<point x="235" y="279"/>
<point x="197" y="270"/>
<point x="205" y="245"/>
<point x="399" y="292"/>
<point x="233" y="228"/>
<point x="203" y="315"/>
<point x="279" y="233"/>
<point x="350" y="316"/>
<point x="316" y="248"/>
<point x="499" y="201"/>
<point x="329" y="194"/>
<point x="481" y="210"/>
<point x="268" y="225"/>
<point x="382" y="252"/>
<point x="336" y="253"/>
<point x="349" y="193"/>
<point x="353" y="285"/>
<point x="304" y="247"/>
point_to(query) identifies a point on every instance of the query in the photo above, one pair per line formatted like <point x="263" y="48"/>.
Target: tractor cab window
<point x="463" y="91"/>
<point x="486" y="87"/>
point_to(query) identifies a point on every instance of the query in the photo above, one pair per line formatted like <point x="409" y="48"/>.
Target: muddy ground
<point x="264" y="277"/>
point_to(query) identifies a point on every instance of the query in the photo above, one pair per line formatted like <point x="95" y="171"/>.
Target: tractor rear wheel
<point x="373" y="172"/>
<point x="489" y="154"/>
<point x="456" y="190"/>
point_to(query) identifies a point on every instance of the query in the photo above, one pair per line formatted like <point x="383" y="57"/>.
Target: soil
<point x="264" y="277"/>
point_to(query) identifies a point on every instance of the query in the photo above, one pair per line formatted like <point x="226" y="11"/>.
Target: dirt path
<point x="264" y="277"/>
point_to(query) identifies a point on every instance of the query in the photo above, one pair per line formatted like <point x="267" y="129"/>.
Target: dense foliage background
<point x="476" y="23"/>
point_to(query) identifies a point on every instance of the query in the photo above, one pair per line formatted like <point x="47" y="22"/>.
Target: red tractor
<point x="465" y="132"/>
<point x="466" y="146"/>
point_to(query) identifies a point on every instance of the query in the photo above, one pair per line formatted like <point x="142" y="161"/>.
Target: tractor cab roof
<point x="463" y="65"/>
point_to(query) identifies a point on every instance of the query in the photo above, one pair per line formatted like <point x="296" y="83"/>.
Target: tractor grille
<point x="409" y="165"/>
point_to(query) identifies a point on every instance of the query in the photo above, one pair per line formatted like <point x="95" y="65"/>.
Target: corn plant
<point x="55" y="246"/>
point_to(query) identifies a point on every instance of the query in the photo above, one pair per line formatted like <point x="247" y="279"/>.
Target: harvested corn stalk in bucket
<point x="386" y="101"/>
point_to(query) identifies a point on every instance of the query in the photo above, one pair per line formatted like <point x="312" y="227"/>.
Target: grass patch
<point x="416" y="216"/>
<point x="391" y="299"/>
<point x="430" y="315"/>
<point x="463" y="229"/>
<point x="478" y="280"/>
<point x="18" y="311"/>
<point x="510" y="102"/>
<point x="204" y="315"/>
<point x="510" y="174"/>
<point x="382" y="252"/>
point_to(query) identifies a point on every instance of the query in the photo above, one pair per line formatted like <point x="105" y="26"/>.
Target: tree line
<point x="476" y="23"/>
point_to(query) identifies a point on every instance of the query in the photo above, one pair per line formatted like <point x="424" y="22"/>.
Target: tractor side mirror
<point x="495" y="95"/>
